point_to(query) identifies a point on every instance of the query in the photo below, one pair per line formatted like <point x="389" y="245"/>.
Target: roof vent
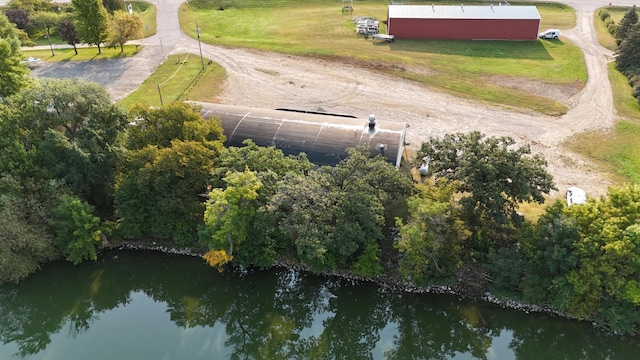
<point x="492" y="8"/>
<point x="462" y="7"/>
<point x="372" y="121"/>
<point x="433" y="7"/>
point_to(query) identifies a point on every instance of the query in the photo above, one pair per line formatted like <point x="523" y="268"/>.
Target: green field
<point x="320" y="29"/>
<point x="180" y="77"/>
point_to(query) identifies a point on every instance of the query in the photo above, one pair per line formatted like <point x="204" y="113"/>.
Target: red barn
<point x="463" y="22"/>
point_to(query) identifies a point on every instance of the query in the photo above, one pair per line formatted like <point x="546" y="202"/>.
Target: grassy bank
<point x="180" y="77"/>
<point x="313" y="28"/>
<point x="84" y="53"/>
<point x="147" y="13"/>
<point x="604" y="37"/>
<point x="616" y="149"/>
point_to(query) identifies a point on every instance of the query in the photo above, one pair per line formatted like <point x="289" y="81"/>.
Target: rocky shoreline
<point x="389" y="282"/>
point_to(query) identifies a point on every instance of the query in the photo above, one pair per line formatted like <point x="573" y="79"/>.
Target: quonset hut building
<point x="463" y="22"/>
<point x="323" y="137"/>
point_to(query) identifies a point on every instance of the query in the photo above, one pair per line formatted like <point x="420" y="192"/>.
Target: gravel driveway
<point x="271" y="80"/>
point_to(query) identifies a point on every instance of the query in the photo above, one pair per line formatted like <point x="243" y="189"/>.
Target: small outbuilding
<point x="462" y="22"/>
<point x="322" y="136"/>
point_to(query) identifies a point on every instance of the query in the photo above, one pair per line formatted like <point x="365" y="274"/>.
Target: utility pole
<point x="49" y="38"/>
<point x="200" y="46"/>
<point x="160" y="93"/>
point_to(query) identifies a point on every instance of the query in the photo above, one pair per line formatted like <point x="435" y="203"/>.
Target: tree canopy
<point x="92" y="21"/>
<point x="13" y="73"/>
<point x="627" y="24"/>
<point x="124" y="27"/>
<point x="493" y="176"/>
<point x="65" y="130"/>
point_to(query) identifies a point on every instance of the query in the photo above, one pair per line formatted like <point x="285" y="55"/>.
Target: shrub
<point x="612" y="27"/>
<point x="604" y="15"/>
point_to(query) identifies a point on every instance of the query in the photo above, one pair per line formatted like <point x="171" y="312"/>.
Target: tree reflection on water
<point x="284" y="314"/>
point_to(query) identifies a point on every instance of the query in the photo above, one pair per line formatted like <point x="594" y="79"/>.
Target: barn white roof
<point x="463" y="12"/>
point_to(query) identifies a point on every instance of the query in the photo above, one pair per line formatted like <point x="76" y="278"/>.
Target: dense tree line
<point x="627" y="37"/>
<point x="76" y="172"/>
<point x="92" y="22"/>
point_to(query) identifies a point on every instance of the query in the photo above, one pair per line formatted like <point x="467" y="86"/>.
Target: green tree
<point x="304" y="209"/>
<point x="158" y="196"/>
<point x="69" y="130"/>
<point x="493" y="176"/>
<point x="46" y="21"/>
<point x="13" y="73"/>
<point x="431" y="241"/>
<point x="628" y="59"/>
<point x="92" y="21"/>
<point x="77" y="232"/>
<point x="331" y="217"/>
<point x="626" y="25"/>
<point x="20" y="17"/>
<point x="124" y="27"/>
<point x="25" y="242"/>
<point x="31" y="6"/>
<point x="550" y="256"/>
<point x="177" y="121"/>
<point x="603" y="285"/>
<point x="230" y="211"/>
<point x="67" y="31"/>
<point x="113" y="5"/>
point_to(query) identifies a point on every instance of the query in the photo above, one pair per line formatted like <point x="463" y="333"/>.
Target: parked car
<point x="550" y="34"/>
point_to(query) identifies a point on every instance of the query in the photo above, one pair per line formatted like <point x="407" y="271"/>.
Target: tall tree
<point x="626" y="25"/>
<point x="76" y="230"/>
<point x="493" y="176"/>
<point x="68" y="33"/>
<point x="230" y="211"/>
<point x="46" y="21"/>
<point x="31" y="6"/>
<point x="68" y="129"/>
<point x="25" y="241"/>
<point x="113" y="5"/>
<point x="177" y="121"/>
<point x="20" y="17"/>
<point x="158" y="196"/>
<point x="13" y="73"/>
<point x="124" y="27"/>
<point x="431" y="241"/>
<point x="335" y="216"/>
<point x="628" y="59"/>
<point x="92" y="21"/>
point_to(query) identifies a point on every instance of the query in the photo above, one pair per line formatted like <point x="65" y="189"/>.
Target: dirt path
<point x="271" y="80"/>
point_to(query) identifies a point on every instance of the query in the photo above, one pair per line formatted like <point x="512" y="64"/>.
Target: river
<point x="147" y="305"/>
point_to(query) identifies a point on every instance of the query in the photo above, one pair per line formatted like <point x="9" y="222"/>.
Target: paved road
<point x="122" y="76"/>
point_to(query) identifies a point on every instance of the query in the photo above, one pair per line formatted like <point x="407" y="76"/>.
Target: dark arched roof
<point x="323" y="137"/>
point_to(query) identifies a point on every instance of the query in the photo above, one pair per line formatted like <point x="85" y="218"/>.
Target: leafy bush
<point x="604" y="15"/>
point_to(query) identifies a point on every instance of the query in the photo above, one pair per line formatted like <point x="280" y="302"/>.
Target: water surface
<point x="144" y="305"/>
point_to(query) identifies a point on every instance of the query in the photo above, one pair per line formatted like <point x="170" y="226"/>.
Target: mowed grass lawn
<point x="468" y="69"/>
<point x="84" y="53"/>
<point x="180" y="77"/>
